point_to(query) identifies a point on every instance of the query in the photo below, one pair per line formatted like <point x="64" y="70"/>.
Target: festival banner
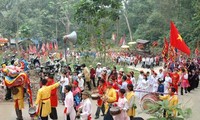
<point x="165" y="50"/>
<point x="30" y="49"/>
<point x="171" y="54"/>
<point x="196" y="52"/>
<point x="50" y="46"/>
<point x="47" y="46"/>
<point x="122" y="40"/>
<point x="155" y="43"/>
<point x="43" y="48"/>
<point x="56" y="45"/>
<point x="114" y="36"/>
<point x="34" y="49"/>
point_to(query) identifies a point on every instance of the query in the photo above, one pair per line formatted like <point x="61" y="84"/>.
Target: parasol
<point x="125" y="46"/>
<point x="131" y="43"/>
<point x="3" y="40"/>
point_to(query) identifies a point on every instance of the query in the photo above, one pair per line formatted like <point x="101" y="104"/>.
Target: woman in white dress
<point x="70" y="113"/>
<point x="64" y="81"/>
<point x="123" y="106"/>
<point x="140" y="78"/>
<point x="142" y="86"/>
<point x="167" y="82"/>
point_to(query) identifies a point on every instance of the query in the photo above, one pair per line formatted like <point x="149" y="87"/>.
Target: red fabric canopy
<point x="3" y="40"/>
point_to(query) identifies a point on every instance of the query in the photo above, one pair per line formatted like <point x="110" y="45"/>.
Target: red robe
<point x="116" y="87"/>
<point x="54" y="97"/>
<point x="101" y="91"/>
<point x="128" y="81"/>
<point x="92" y="73"/>
<point x="104" y="77"/>
<point x="175" y="80"/>
<point x="119" y="80"/>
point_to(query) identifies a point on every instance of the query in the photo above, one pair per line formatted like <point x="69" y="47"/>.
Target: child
<point x="86" y="107"/>
<point x="69" y="104"/>
<point x="123" y="105"/>
<point x="160" y="86"/>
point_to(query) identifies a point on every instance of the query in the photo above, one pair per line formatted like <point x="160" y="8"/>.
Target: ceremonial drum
<point x="148" y="100"/>
<point x="115" y="110"/>
<point x="32" y="111"/>
<point x="14" y="90"/>
<point x="95" y="96"/>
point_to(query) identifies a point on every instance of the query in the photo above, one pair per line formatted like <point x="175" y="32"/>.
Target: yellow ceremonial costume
<point x="86" y="73"/>
<point x="19" y="98"/>
<point x="130" y="96"/>
<point x="173" y="100"/>
<point x="43" y="99"/>
<point x="111" y="97"/>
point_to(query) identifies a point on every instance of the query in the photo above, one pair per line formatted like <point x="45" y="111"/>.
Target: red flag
<point x="171" y="53"/>
<point x="30" y="49"/>
<point x="165" y="50"/>
<point x="43" y="48"/>
<point x="56" y="46"/>
<point x="177" y="41"/>
<point x="50" y="46"/>
<point x="34" y="49"/>
<point x="122" y="40"/>
<point x="114" y="36"/>
<point x="155" y="43"/>
<point x="196" y="51"/>
<point x="47" y="46"/>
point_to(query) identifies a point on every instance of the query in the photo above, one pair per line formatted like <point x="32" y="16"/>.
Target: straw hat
<point x="79" y="75"/>
<point x="90" y="66"/>
<point x="104" y="68"/>
<point x="98" y="63"/>
<point x="86" y="93"/>
<point x="121" y="70"/>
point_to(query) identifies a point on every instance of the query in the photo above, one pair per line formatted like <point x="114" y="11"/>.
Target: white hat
<point x="79" y="75"/>
<point x="104" y="68"/>
<point x="121" y="69"/>
<point x="98" y="63"/>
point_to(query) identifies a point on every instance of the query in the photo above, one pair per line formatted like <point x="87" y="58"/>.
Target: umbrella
<point x="132" y="43"/>
<point x="125" y="46"/>
<point x="3" y="40"/>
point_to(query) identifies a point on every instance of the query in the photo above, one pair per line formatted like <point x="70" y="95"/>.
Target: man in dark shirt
<point x="160" y="86"/>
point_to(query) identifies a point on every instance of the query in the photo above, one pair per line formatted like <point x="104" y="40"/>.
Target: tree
<point x="98" y="16"/>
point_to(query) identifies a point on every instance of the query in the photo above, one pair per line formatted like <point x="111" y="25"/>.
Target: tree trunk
<point x="128" y="25"/>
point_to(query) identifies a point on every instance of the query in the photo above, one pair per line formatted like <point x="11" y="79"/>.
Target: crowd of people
<point x="115" y="88"/>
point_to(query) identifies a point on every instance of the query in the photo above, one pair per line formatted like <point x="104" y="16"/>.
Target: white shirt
<point x="98" y="72"/>
<point x="69" y="104"/>
<point x="86" y="109"/>
<point x="151" y="60"/>
<point x="160" y="75"/>
<point x="124" y="85"/>
<point x="140" y="78"/>
<point x="147" y="60"/>
<point x="65" y="81"/>
<point x="167" y="82"/>
<point x="143" y="59"/>
<point x="81" y="83"/>
<point x="133" y="81"/>
<point x="185" y="76"/>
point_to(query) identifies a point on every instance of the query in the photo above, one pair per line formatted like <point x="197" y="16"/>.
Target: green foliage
<point x="96" y="20"/>
<point x="162" y="106"/>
